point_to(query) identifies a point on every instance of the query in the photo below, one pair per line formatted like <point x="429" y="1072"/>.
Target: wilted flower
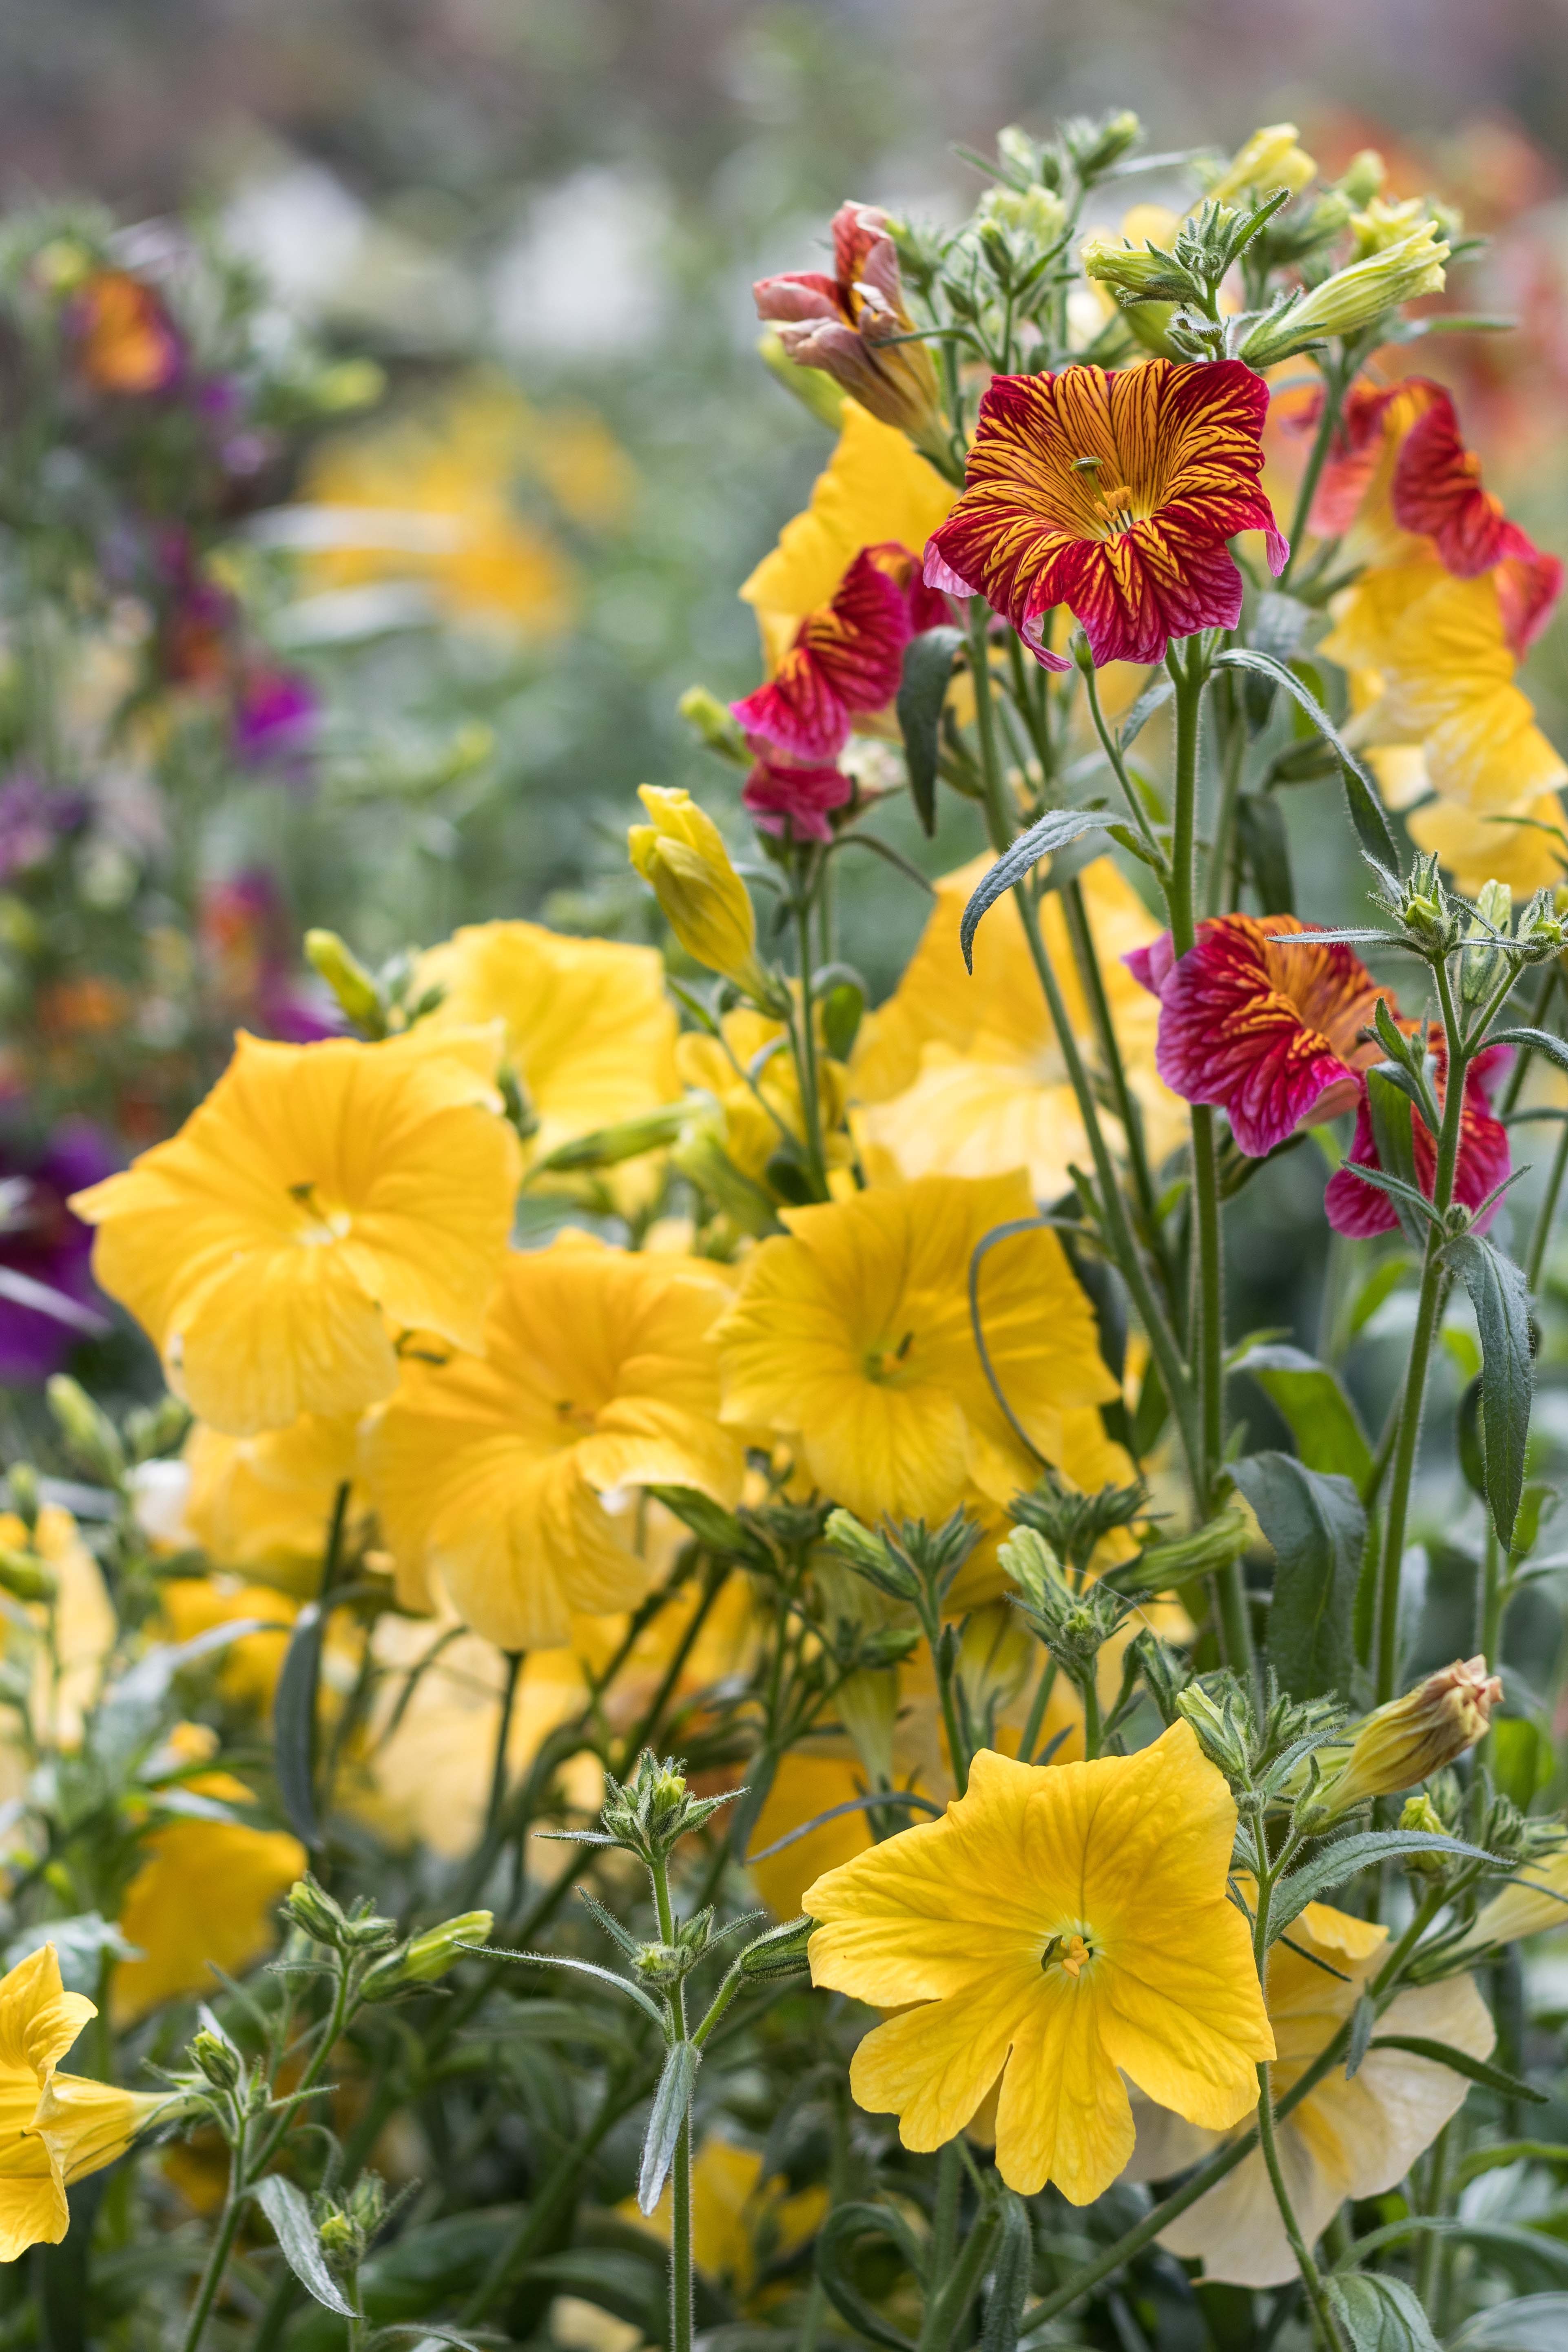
<point x="1358" y="1209"/>
<point x="1112" y="494"/>
<point x="681" y="855"/>
<point x="1057" y="1929"/>
<point x="1269" y="1034"/>
<point x="854" y="326"/>
<point x="1416" y="1735"/>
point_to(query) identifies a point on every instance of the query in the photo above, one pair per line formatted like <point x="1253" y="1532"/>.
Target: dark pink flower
<point x="846" y="660"/>
<point x="1267" y="1032"/>
<point x="274" y="716"/>
<point x="1358" y="1209"/>
<point x="795" y="796"/>
<point x="852" y="325"/>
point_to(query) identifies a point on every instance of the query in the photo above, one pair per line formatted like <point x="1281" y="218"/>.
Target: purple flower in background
<point x="274" y="716"/>
<point x="33" y="817"/>
<point x="49" y="1300"/>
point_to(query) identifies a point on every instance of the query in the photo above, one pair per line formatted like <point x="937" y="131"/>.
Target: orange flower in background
<point x="1115" y="494"/>
<point x="125" y="339"/>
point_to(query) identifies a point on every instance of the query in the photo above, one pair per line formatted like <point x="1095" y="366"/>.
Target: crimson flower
<point x="795" y="795"/>
<point x="1113" y="494"/>
<point x="851" y="325"/>
<point x="1357" y="1208"/>
<point x="847" y="657"/>
<point x="1267" y="1033"/>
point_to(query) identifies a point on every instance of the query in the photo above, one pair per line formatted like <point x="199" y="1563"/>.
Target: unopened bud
<point x="1271" y="159"/>
<point x="1362" y="176"/>
<point x="1096" y="146"/>
<point x="1352" y="299"/>
<point x="1416" y="1735"/>
<point x="662" y="1964"/>
<point x="426" y="1958"/>
<point x="711" y="717"/>
<point x="1481" y="965"/>
<point x="349" y="980"/>
<point x="89" y="1434"/>
<point x="1150" y="276"/>
<point x="219" y="2059"/>
<point x="22" y="1483"/>
<point x="682" y="857"/>
<point x="780" y="1953"/>
<point x="871" y="1557"/>
<point x="24" y="1576"/>
<point x="1217" y="1721"/>
<point x="1215" y="1545"/>
<point x="308" y="1905"/>
<point x="1419" y="1813"/>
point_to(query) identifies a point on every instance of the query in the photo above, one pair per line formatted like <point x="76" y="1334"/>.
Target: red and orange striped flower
<point x="847" y="657"/>
<point x="1269" y="1034"/>
<point x="1114" y="494"/>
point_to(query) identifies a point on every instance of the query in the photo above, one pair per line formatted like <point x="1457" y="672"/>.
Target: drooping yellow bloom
<point x="851" y="1334"/>
<point x="265" y="1503"/>
<point x="1057" y="1928"/>
<point x="1440" y="709"/>
<point x="682" y="857"/>
<point x="874" y="488"/>
<point x="323" y="1201"/>
<point x="207" y="1892"/>
<point x="599" y="1371"/>
<point x="432" y="500"/>
<point x="54" y="2128"/>
<point x="1272" y="158"/>
<point x="740" y="2221"/>
<point x="589" y="1031"/>
<point x="965" y="1077"/>
<point x="1355" y="2139"/>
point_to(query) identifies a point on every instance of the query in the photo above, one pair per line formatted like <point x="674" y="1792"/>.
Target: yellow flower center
<point x="575" y="1420"/>
<point x="323" y="1224"/>
<point x="1069" y="1952"/>
<point x="885" y="1362"/>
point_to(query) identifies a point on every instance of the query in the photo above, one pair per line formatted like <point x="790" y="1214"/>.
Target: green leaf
<point x="1009" y="2276"/>
<point x="290" y="2213"/>
<point x="1508" y="2151"/>
<point x="294" y="1724"/>
<point x="578" y="1967"/>
<point x="1390" y="1110"/>
<point x="928" y="671"/>
<point x="1349" y="1856"/>
<point x="671" y="2105"/>
<point x="1154" y="695"/>
<point x="1366" y="811"/>
<point x="1538" y="1041"/>
<point x="1380" y="1283"/>
<point x="1531" y="2322"/>
<point x="1510" y="2248"/>
<point x="1379" y="2314"/>
<point x="1323" y="1421"/>
<point x="1265" y="850"/>
<point x="842" y="1007"/>
<point x="844" y="2227"/>
<point x="1317" y="1527"/>
<point x="1520" y="1759"/>
<point x="1052" y="832"/>
<point x="1459" y="2061"/>
<point x="1501" y="1297"/>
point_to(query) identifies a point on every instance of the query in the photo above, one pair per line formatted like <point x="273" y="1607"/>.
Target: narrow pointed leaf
<point x="1009" y="2276"/>
<point x="1265" y="848"/>
<point x="1500" y="1298"/>
<point x="289" y="2211"/>
<point x="671" y="2103"/>
<point x="1350" y="1855"/>
<point x="1537" y="1041"/>
<point x="1459" y="2061"/>
<point x="1316" y="1524"/>
<point x="1372" y="826"/>
<point x="1052" y="832"/>
<point x="928" y="669"/>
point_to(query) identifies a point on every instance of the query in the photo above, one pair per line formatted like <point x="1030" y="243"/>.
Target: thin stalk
<point x="223" y="2244"/>
<point x="1091" y="1722"/>
<point x="1311" y="2278"/>
<point x="503" y="1734"/>
<point x="1508" y="1099"/>
<point x="681" y="2307"/>
<point x="1189" y="684"/>
<point x="1426" y="2261"/>
<point x="1333" y="395"/>
<point x="1080" y="934"/>
<point x="1119" y="769"/>
<point x="1535" y="1256"/>
<point x="1129" y="1256"/>
<point x="1038" y="1707"/>
<point x="811" y="1101"/>
<point x="1232" y="759"/>
<point x="944" y="2219"/>
<point x="945" y="2310"/>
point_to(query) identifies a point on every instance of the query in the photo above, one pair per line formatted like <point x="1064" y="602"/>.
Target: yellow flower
<point x="249" y="1667"/>
<point x="740" y="2221"/>
<point x="265" y="1503"/>
<point x="54" y="2128"/>
<point x="874" y="488"/>
<point x="1536" y="1905"/>
<point x="589" y="1031"/>
<point x="323" y="1199"/>
<point x="1271" y="159"/>
<point x="76" y="1631"/>
<point x="683" y="859"/>
<point x="1356" y="2139"/>
<point x="206" y="1894"/>
<point x="752" y="1074"/>
<point x="852" y="1335"/>
<point x="1057" y="1928"/>
<point x="599" y="1371"/>
<point x="964" y="1078"/>
<point x="432" y="500"/>
<point x="1433" y="680"/>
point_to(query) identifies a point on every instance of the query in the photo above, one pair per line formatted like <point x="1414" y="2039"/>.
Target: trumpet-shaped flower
<point x="1115" y="494"/>
<point x="589" y="1031"/>
<point x="323" y="1199"/>
<point x="599" y="1371"/>
<point x="874" y="490"/>
<point x="54" y="2128"/>
<point x="1269" y="1033"/>
<point x="1355" y="2138"/>
<point x="852" y="1335"/>
<point x="1357" y="1208"/>
<point x="846" y="658"/>
<point x="963" y="1075"/>
<point x="1535" y="1905"/>
<point x="1058" y="1929"/>
<point x="855" y="326"/>
<point x="204" y="1896"/>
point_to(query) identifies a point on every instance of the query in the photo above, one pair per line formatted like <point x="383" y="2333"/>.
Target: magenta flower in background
<point x="275" y="715"/>
<point x="34" y="816"/>
<point x="246" y="946"/>
<point x="49" y="1300"/>
<point x="796" y="795"/>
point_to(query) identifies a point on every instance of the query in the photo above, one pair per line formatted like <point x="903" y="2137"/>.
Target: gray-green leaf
<point x="1500" y="1298"/>
<point x="290" y="2213"/>
<point x="928" y="668"/>
<point x="1323" y="1421"/>
<point x="1316" y="1526"/>
<point x="672" y="2102"/>
<point x="1379" y="2314"/>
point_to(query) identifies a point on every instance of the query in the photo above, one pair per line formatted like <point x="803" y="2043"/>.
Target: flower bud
<point x="1036" y="216"/>
<point x="426" y="1958"/>
<point x="780" y="1953"/>
<point x="90" y="1435"/>
<point x="26" y="1576"/>
<point x="22" y="1483"/>
<point x="1352" y="299"/>
<point x="1362" y="176"/>
<point x="1271" y="159"/>
<point x="1150" y="276"/>
<point x="349" y="980"/>
<point x="712" y="719"/>
<point x="1217" y="1717"/>
<point x="1412" y="1737"/>
<point x="662" y="1964"/>
<point x="308" y="1905"/>
<point x="1419" y="1813"/>
<point x="1481" y="966"/>
<point x="1215" y="1545"/>
<point x="216" y="2058"/>
<point x="871" y="1556"/>
<point x="683" y="858"/>
<point x="1094" y="147"/>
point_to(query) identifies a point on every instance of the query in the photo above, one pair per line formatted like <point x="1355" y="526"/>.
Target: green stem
<point x="1091" y="1722"/>
<point x="1109" y="746"/>
<point x="1038" y="1705"/>
<point x="944" y="2219"/>
<point x="1189" y="681"/>
<point x="1233" y="759"/>
<point x="1426" y="2261"/>
<point x="1129" y="1255"/>
<point x="811" y="1100"/>
<point x="1080" y="935"/>
<point x="1407" y="1439"/>
<point x="681" y="2305"/>
<point x="1535" y="1256"/>
<point x="223" y="2244"/>
<point x="1333" y="395"/>
<point x="945" y="2309"/>
<point x="503" y="1734"/>
<point x="1312" y="2279"/>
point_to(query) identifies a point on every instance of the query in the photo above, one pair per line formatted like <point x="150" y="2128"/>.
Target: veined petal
<point x="933" y="2066"/>
<point x="1063" y="2114"/>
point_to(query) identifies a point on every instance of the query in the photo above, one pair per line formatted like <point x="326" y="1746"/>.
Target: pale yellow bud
<point x="1352" y="299"/>
<point x="1271" y="159"/>
<point x="682" y="857"/>
<point x="1416" y="1735"/>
